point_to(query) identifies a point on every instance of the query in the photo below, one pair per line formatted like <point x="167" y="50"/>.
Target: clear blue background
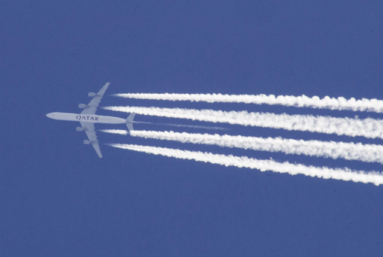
<point x="58" y="199"/>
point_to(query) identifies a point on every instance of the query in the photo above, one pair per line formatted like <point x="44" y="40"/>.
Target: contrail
<point x="334" y="150"/>
<point x="370" y="128"/>
<point x="190" y="126"/>
<point x="262" y="165"/>
<point x="340" y="103"/>
<point x="115" y="131"/>
<point x="179" y="125"/>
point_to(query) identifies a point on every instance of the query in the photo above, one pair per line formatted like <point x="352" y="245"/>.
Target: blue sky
<point x="58" y="199"/>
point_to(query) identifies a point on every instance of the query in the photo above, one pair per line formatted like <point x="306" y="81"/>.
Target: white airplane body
<point x="85" y="118"/>
<point x="88" y="118"/>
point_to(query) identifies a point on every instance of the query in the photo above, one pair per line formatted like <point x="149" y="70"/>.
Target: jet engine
<point x="82" y="106"/>
<point x="80" y="129"/>
<point x="87" y="142"/>
<point x="91" y="94"/>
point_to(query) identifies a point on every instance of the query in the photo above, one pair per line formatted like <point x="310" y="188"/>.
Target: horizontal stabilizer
<point x="130" y="126"/>
<point x="131" y="117"/>
<point x="129" y="121"/>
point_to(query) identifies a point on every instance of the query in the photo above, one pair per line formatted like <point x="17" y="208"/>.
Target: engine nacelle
<point x="91" y="94"/>
<point x="80" y="129"/>
<point x="87" y="142"/>
<point x="82" y="106"/>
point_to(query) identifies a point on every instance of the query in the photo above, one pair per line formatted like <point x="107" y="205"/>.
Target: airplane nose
<point x="49" y="115"/>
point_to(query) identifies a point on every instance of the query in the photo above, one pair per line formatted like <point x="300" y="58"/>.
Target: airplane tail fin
<point x="129" y="121"/>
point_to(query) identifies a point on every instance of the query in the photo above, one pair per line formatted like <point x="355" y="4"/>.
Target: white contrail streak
<point x="190" y="126"/>
<point x="334" y="150"/>
<point x="262" y="165"/>
<point x="370" y="128"/>
<point x="115" y="131"/>
<point x="340" y="103"/>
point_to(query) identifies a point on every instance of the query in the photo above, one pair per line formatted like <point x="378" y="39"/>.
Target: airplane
<point x="88" y="118"/>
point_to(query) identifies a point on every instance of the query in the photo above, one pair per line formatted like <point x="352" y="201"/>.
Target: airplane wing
<point x="92" y="106"/>
<point x="89" y="130"/>
<point x="91" y="109"/>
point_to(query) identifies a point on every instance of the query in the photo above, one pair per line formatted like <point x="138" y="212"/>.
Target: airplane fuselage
<point x="85" y="118"/>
